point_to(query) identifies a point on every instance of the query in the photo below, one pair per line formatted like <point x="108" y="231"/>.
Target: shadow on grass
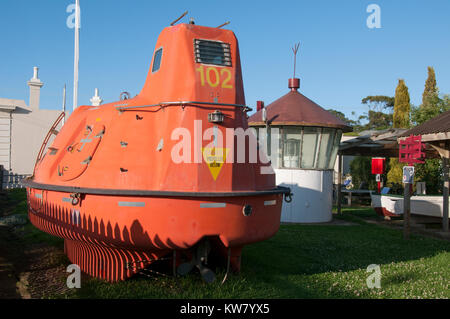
<point x="306" y="250"/>
<point x="399" y="278"/>
<point x="296" y="263"/>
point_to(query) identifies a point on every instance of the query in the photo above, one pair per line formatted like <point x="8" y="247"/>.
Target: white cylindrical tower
<point x="303" y="144"/>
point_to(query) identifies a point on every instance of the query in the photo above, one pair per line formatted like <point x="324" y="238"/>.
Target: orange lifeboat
<point x="151" y="178"/>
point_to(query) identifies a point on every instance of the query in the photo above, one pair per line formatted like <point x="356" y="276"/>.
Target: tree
<point x="401" y="106"/>
<point x="433" y="107"/>
<point x="430" y="91"/>
<point x="377" y="118"/>
<point x="360" y="170"/>
<point x="395" y="174"/>
<point x="340" y="116"/>
<point x="400" y="120"/>
<point x="343" y="118"/>
<point x="430" y="172"/>
<point x="378" y="102"/>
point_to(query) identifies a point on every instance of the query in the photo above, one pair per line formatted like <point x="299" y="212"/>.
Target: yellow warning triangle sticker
<point x="214" y="158"/>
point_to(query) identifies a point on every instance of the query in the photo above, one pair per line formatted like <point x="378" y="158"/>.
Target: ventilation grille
<point x="212" y="52"/>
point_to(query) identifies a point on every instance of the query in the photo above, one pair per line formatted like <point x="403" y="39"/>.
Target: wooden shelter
<point x="382" y="143"/>
<point x="436" y="133"/>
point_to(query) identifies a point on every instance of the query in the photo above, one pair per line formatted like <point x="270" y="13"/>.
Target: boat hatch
<point x="79" y="153"/>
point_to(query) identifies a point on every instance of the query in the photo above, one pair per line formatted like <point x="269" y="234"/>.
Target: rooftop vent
<point x="212" y="52"/>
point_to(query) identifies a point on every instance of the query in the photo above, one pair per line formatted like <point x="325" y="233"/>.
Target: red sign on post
<point x="378" y="169"/>
<point x="410" y="150"/>
<point x="378" y="165"/>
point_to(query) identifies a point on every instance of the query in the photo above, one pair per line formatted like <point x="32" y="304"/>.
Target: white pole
<point x="64" y="105"/>
<point x="76" y="55"/>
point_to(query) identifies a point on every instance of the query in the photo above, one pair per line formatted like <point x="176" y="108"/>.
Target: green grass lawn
<point x="309" y="261"/>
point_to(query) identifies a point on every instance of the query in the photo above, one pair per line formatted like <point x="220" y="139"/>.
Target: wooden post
<point x="339" y="186"/>
<point x="444" y="151"/>
<point x="406" y="210"/>
<point x="445" y="164"/>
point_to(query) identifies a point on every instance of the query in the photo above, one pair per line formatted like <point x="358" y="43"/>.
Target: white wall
<point x="5" y="139"/>
<point x="22" y="131"/>
<point x="28" y="132"/>
<point x="345" y="162"/>
<point x="312" y="195"/>
<point x="312" y="201"/>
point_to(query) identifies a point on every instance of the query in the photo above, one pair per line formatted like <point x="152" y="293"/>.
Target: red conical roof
<point x="296" y="109"/>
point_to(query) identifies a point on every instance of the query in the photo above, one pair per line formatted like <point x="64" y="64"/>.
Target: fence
<point x="9" y="180"/>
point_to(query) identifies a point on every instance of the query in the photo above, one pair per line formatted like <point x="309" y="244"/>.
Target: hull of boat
<point x="107" y="236"/>
<point x="386" y="205"/>
<point x="172" y="171"/>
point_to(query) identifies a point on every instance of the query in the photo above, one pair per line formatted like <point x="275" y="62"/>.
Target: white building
<point x="22" y="130"/>
<point x="303" y="141"/>
<point x="346" y="160"/>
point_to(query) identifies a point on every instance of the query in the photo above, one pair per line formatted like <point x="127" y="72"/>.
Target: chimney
<point x="259" y="105"/>
<point x="35" y="85"/>
<point x="294" y="84"/>
<point x="96" y="100"/>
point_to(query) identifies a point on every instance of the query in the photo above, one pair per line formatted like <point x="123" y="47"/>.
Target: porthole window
<point x="157" y="60"/>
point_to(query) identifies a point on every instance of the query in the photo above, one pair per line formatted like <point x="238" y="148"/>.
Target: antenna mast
<point x="294" y="83"/>
<point x="179" y="18"/>
<point x="295" y="50"/>
<point x="64" y="105"/>
<point x="76" y="54"/>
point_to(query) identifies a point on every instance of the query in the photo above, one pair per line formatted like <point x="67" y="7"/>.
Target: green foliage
<point x="401" y="119"/>
<point x="430" y="173"/>
<point x="376" y="120"/>
<point x="338" y="114"/>
<point x="432" y="108"/>
<point x="379" y="102"/>
<point x="430" y="90"/>
<point x="361" y="172"/>
<point x="395" y="176"/>
<point x="401" y="106"/>
<point x="342" y="117"/>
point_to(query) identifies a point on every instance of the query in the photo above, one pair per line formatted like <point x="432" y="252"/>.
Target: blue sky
<point x="340" y="60"/>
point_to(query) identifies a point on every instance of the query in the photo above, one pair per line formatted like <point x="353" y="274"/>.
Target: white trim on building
<point x="22" y="130"/>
